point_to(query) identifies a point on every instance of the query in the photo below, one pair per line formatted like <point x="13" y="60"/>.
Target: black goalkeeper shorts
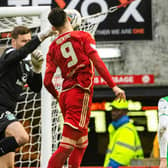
<point x="6" y="117"/>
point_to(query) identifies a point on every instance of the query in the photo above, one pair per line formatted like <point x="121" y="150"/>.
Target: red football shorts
<point x="75" y="105"/>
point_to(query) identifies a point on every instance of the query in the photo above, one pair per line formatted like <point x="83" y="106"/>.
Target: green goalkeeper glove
<point x="37" y="60"/>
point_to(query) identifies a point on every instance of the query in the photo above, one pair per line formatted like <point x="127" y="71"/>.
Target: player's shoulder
<point x="9" y="49"/>
<point x="163" y="99"/>
<point x="52" y="44"/>
<point x="81" y="33"/>
<point x="7" y="52"/>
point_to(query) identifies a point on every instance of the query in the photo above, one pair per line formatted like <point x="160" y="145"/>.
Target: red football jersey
<point x="75" y="54"/>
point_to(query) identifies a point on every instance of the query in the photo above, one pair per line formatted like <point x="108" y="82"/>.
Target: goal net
<point x="39" y="113"/>
<point x="28" y="110"/>
<point x="90" y="23"/>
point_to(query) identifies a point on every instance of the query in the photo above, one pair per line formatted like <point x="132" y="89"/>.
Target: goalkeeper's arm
<point x="46" y="33"/>
<point x="12" y="55"/>
<point x="34" y="81"/>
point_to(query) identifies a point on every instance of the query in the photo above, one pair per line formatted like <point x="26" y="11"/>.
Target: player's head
<point x="20" y="36"/>
<point x="57" y="17"/>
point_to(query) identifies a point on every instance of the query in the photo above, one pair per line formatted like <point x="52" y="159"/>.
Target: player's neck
<point x="66" y="28"/>
<point x="65" y="31"/>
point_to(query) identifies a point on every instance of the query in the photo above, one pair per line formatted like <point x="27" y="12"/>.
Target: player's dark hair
<point x="57" y="17"/>
<point x="19" y="30"/>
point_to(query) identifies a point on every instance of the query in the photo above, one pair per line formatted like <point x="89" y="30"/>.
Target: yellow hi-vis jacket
<point x="124" y="145"/>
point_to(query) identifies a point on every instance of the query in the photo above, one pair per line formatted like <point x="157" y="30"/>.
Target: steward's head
<point x="119" y="109"/>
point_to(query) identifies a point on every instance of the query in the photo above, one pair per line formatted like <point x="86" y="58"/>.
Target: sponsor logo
<point x="8" y="115"/>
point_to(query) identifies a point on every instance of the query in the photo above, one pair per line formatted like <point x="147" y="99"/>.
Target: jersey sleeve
<point x="90" y="49"/>
<point x="49" y="73"/>
<point x="163" y="127"/>
<point x="34" y="81"/>
<point x="12" y="55"/>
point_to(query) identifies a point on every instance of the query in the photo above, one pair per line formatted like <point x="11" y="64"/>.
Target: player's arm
<point x="98" y="63"/>
<point x="90" y="48"/>
<point x="35" y="81"/>
<point x="49" y="73"/>
<point x="163" y="131"/>
<point x="12" y="55"/>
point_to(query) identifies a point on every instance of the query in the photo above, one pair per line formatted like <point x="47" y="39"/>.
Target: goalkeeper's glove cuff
<point x="46" y="33"/>
<point x="42" y="36"/>
<point x="37" y="69"/>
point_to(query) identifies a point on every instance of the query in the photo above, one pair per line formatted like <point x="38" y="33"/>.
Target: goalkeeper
<point x="74" y="52"/>
<point x="163" y="130"/>
<point x="15" y="72"/>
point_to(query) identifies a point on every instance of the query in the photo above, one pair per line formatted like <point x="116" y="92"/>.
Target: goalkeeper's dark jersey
<point x="15" y="73"/>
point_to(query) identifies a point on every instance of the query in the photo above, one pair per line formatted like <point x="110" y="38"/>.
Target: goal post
<point x="6" y="25"/>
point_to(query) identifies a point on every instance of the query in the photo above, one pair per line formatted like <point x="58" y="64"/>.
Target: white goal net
<point x="39" y="113"/>
<point x="28" y="110"/>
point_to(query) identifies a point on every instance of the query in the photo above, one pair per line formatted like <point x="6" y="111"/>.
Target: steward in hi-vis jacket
<point x="124" y="142"/>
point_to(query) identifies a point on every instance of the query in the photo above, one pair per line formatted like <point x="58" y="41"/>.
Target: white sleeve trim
<point x="10" y="50"/>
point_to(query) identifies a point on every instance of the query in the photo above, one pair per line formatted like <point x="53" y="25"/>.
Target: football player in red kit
<point x="75" y="54"/>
